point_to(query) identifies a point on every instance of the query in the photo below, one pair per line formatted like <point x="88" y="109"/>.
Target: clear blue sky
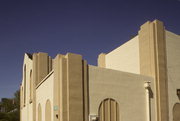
<point x="86" y="27"/>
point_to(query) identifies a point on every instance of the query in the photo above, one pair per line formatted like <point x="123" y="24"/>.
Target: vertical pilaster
<point x="153" y="63"/>
<point x="63" y="89"/>
<point x="56" y="92"/>
<point x="35" y="78"/>
<point x="70" y="88"/>
<point x="102" y="60"/>
<point x="74" y="87"/>
<point x="85" y="91"/>
<point x="40" y="67"/>
<point x="43" y="60"/>
<point x="49" y="64"/>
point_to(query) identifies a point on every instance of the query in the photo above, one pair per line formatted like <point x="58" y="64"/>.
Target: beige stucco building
<point x="138" y="81"/>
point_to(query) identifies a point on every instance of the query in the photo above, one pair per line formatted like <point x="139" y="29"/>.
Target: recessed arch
<point x="176" y="112"/>
<point x="48" y="111"/>
<point x="39" y="113"/>
<point x="109" y="110"/>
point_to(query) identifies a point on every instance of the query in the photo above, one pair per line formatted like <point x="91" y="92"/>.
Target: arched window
<point x="31" y="87"/>
<point x="39" y="113"/>
<point x="176" y="112"/>
<point x="109" y="110"/>
<point x="48" y="111"/>
<point x="24" y="85"/>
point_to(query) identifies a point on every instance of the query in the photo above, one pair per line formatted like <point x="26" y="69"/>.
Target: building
<point x="138" y="81"/>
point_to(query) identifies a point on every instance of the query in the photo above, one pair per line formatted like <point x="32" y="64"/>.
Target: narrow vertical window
<point x="24" y="85"/>
<point x="31" y="87"/>
<point x="39" y="113"/>
<point x="48" y="111"/>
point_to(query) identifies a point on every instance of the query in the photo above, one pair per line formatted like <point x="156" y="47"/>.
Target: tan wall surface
<point x="43" y="93"/>
<point x="173" y="65"/>
<point x="74" y="87"/>
<point x="125" y="88"/>
<point x="125" y="58"/>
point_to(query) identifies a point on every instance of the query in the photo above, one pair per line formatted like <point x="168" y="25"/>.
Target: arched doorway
<point x="48" y="111"/>
<point x="39" y="113"/>
<point x="176" y="112"/>
<point x="109" y="110"/>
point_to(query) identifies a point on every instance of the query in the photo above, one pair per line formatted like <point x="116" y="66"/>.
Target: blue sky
<point x="86" y="27"/>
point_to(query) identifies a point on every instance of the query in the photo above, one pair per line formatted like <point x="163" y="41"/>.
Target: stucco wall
<point x="43" y="93"/>
<point x="126" y="88"/>
<point x="27" y="113"/>
<point x="125" y="58"/>
<point x="173" y="65"/>
<point x="26" y="107"/>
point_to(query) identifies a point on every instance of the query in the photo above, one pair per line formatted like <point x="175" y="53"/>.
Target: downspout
<point x="148" y="103"/>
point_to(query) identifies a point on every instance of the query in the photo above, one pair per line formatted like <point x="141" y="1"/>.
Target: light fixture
<point x="93" y="117"/>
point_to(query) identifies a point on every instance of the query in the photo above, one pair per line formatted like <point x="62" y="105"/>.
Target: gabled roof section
<point x="29" y="55"/>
